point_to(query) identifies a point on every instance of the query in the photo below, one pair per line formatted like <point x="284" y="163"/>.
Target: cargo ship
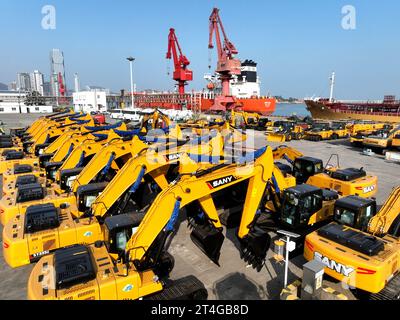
<point x="386" y="110"/>
<point x="245" y="89"/>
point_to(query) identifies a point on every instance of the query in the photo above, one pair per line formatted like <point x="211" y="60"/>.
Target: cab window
<point x="121" y="239"/>
<point x="311" y="204"/>
<point x="365" y="216"/>
<point x="318" y="167"/>
<point x="344" y="216"/>
<point x="289" y="209"/>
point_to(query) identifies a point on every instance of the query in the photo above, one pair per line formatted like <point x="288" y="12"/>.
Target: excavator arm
<point x="155" y="165"/>
<point x="51" y="135"/>
<point x="287" y="153"/>
<point x="163" y="214"/>
<point x="387" y="221"/>
<point x="279" y="182"/>
<point x="106" y="159"/>
<point x="81" y="154"/>
<point x="62" y="149"/>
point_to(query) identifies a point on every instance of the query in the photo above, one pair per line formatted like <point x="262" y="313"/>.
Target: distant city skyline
<point x="296" y="44"/>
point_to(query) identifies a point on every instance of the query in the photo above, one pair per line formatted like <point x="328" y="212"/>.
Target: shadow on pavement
<point x="275" y="285"/>
<point x="236" y="286"/>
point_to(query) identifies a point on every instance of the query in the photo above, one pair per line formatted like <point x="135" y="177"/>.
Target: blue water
<point x="285" y="109"/>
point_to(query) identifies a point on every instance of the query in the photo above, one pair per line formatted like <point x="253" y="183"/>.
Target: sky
<point x="297" y="44"/>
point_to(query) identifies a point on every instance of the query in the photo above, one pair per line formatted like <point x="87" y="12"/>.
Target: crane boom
<point x="227" y="65"/>
<point x="181" y="73"/>
<point x="229" y="48"/>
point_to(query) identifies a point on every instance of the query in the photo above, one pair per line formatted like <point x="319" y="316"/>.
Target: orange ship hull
<point x="262" y="106"/>
<point x="320" y="110"/>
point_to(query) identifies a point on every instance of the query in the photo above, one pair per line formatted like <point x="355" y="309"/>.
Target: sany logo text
<point x="333" y="265"/>
<point x="220" y="182"/>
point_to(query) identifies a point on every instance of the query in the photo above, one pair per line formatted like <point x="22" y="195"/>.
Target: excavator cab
<point x="87" y="194"/>
<point x="305" y="167"/>
<point x="68" y="176"/>
<point x="283" y="127"/>
<point x="299" y="204"/>
<point x="355" y="212"/>
<point x="118" y="230"/>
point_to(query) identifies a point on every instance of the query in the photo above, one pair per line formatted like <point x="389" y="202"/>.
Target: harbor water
<point x="288" y="109"/>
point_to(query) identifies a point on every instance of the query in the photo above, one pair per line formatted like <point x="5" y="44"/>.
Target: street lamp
<point x="131" y="59"/>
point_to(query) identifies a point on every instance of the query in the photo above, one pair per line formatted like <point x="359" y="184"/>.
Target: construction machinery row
<point x="96" y="206"/>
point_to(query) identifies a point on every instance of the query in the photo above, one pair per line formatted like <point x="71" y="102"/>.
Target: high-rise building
<point x="77" y="85"/>
<point x="12" y="86"/>
<point x="37" y="82"/>
<point x="47" y="89"/>
<point x="24" y="82"/>
<point x="57" y="71"/>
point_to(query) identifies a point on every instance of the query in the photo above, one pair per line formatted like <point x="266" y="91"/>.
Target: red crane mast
<point x="181" y="73"/>
<point x="61" y="86"/>
<point x="227" y="64"/>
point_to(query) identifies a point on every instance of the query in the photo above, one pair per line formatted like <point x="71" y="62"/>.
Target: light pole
<point x="131" y="59"/>
<point x="289" y="247"/>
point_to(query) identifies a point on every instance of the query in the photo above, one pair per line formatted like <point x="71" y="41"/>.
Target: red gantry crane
<point x="181" y="73"/>
<point x="227" y="65"/>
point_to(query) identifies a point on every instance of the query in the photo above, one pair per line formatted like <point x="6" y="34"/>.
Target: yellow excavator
<point x="49" y="132"/>
<point x="360" y="130"/>
<point x="282" y="131"/>
<point x="361" y="247"/>
<point x="133" y="261"/>
<point x="248" y="120"/>
<point x="118" y="140"/>
<point x="333" y="132"/>
<point x="101" y="168"/>
<point x="155" y="120"/>
<point x="383" y="141"/>
<point x="13" y="158"/>
<point x="349" y="181"/>
<point x="396" y="142"/>
<point x="59" y="152"/>
<point x="45" y="119"/>
<point x="47" y="138"/>
<point x="8" y="143"/>
<point x="45" y="228"/>
<point x="79" y="158"/>
<point x="53" y="118"/>
<point x="232" y="135"/>
<point x="55" y="155"/>
<point x="98" y="152"/>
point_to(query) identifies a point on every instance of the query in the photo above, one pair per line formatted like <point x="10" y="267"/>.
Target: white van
<point x="133" y="115"/>
<point x="116" y="114"/>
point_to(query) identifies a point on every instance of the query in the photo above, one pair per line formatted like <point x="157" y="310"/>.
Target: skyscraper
<point x="37" y="82"/>
<point x="76" y="82"/>
<point x="47" y="89"/>
<point x="24" y="82"/>
<point x="57" y="68"/>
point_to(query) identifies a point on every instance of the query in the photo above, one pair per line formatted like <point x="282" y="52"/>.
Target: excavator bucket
<point x="276" y="137"/>
<point x="209" y="240"/>
<point x="254" y="247"/>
